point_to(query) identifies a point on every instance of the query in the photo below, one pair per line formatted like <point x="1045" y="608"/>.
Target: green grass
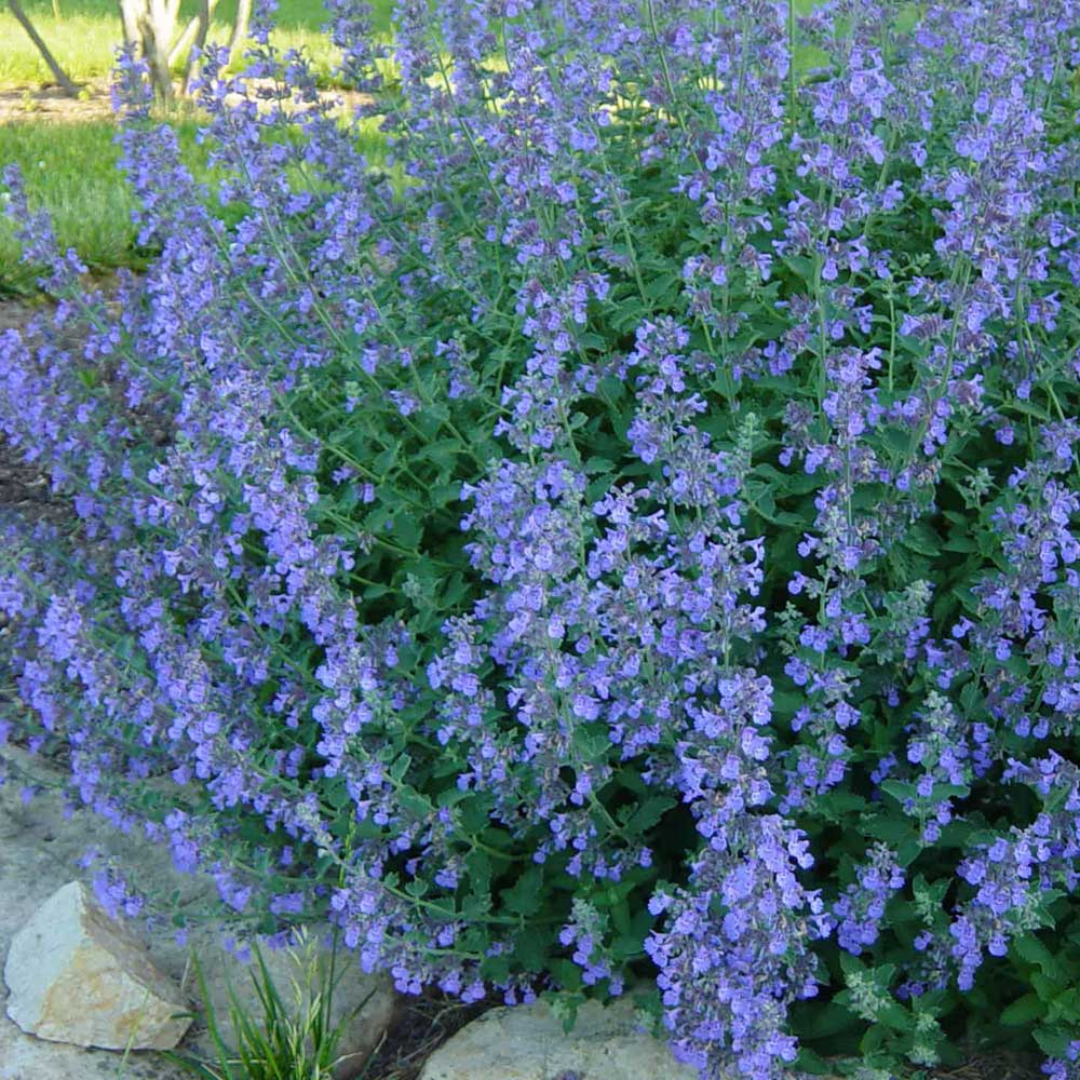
<point x="85" y="37"/>
<point x="70" y="170"/>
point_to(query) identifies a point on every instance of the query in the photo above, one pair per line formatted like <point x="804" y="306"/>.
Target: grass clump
<point x="291" y="1035"/>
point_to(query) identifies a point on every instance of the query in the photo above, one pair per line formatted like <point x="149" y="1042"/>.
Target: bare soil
<point x="49" y="104"/>
<point x="24" y="491"/>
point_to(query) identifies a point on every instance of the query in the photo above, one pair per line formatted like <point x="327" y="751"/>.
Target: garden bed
<point x="614" y="526"/>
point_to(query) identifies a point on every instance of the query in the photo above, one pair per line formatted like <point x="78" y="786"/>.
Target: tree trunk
<point x="156" y="31"/>
<point x="59" y="74"/>
<point x="239" y="30"/>
<point x="199" y="45"/>
<point x="129" y="17"/>
<point x="184" y="41"/>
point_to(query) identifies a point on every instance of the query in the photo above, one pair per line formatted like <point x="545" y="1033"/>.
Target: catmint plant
<point x="615" y="535"/>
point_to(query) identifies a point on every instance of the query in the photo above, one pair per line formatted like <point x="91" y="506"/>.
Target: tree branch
<point x="70" y="88"/>
<point x="239" y="30"/>
<point x="199" y="44"/>
<point x="183" y="42"/>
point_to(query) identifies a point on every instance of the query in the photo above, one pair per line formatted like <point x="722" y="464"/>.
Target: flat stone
<point x="76" y="976"/>
<point x="527" y="1042"/>
<point x="298" y="971"/>
<point x="22" y="1057"/>
<point x="40" y="849"/>
<point x="40" y="846"/>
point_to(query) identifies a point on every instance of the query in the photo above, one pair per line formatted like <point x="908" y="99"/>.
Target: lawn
<point x="84" y="37"/>
<point x="70" y="167"/>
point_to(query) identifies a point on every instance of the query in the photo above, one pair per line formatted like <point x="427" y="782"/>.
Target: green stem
<point x="792" y="85"/>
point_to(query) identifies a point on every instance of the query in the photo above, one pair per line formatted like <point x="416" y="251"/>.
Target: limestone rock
<point x="23" y="1057"/>
<point x="40" y="846"/>
<point x="527" y="1042"/>
<point x="75" y="976"/>
<point x="296" y="971"/>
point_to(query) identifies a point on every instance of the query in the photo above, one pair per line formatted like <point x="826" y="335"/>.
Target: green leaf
<point x="1045" y="987"/>
<point x="900" y="790"/>
<point x="1034" y="951"/>
<point x="893" y="830"/>
<point x="851" y="965"/>
<point x="922" y="539"/>
<point x="1029" y="408"/>
<point x="960" y="543"/>
<point x="941" y="792"/>
<point x="907" y="851"/>
<point x="825" y="1020"/>
<point x="649" y="813"/>
<point x="836" y="804"/>
<point x="417" y="888"/>
<point x="662" y="287"/>
<point x="495" y="968"/>
<point x="475" y="812"/>
<point x="478" y="863"/>
<point x="531" y="949"/>
<point x="1025" y="1010"/>
<point x="1066" y="1007"/>
<point x="598" y="465"/>
<point x="1052" y="1042"/>
<point x="591" y="741"/>
<point x="526" y="896"/>
<point x="566" y="974"/>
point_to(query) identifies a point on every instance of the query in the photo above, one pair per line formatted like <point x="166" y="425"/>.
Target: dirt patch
<point x="25" y="492"/>
<point x="15" y="314"/>
<point x="423" y="1025"/>
<point x="49" y="104"/>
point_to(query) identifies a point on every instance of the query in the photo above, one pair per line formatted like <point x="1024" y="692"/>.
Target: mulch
<point x="423" y="1024"/>
<point x="24" y="491"/>
<point x="51" y="104"/>
<point x="999" y="1065"/>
